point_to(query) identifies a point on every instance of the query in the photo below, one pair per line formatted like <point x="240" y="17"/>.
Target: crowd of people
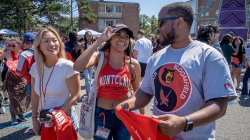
<point x="191" y="80"/>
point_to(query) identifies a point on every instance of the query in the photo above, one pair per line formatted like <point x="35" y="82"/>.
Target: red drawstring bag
<point x="61" y="129"/>
<point x="139" y="126"/>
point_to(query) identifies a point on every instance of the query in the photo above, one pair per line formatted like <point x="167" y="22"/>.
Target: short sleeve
<point x="69" y="69"/>
<point x="146" y="84"/>
<point x="137" y="45"/>
<point x="217" y="81"/>
<point x="33" y="70"/>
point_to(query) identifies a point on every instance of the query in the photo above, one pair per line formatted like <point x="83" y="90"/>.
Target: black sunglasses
<point x="11" y="45"/>
<point x="161" y="20"/>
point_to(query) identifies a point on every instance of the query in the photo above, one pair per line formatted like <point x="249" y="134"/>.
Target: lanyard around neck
<point x="44" y="89"/>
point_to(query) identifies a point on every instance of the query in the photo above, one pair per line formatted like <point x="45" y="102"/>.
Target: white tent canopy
<point x="7" y="32"/>
<point x="94" y="33"/>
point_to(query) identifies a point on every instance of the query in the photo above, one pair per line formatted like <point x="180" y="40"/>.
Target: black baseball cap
<point x="119" y="27"/>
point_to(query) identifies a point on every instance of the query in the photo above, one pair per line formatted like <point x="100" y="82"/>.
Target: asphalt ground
<point x="235" y="125"/>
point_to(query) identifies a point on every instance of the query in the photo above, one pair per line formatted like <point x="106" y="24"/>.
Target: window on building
<point x="102" y="8"/>
<point x="110" y="8"/>
<point x="101" y="23"/>
<point x="110" y="22"/>
<point x="118" y="9"/>
<point x="106" y="22"/>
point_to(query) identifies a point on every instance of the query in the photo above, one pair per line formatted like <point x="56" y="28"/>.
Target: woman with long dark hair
<point x="239" y="55"/>
<point x="227" y="48"/>
<point x="119" y="71"/>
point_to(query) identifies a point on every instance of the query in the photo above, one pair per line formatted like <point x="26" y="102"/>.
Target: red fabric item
<point x="48" y="133"/>
<point x="12" y="65"/>
<point x="12" y="53"/>
<point x="139" y="126"/>
<point x="64" y="128"/>
<point x="25" y="61"/>
<point x="61" y="128"/>
<point x="69" y="56"/>
<point x="113" y="83"/>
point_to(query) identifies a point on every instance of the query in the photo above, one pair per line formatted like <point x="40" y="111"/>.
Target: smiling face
<point x="120" y="41"/>
<point x="88" y="36"/>
<point x="13" y="46"/>
<point x="49" y="45"/>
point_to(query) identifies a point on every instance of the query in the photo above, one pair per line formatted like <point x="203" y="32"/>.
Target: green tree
<point x="149" y="25"/>
<point x="85" y="11"/>
<point x="22" y="15"/>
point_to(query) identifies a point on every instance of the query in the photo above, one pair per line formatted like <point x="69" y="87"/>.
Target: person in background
<point x="238" y="60"/>
<point x="185" y="79"/>
<point x="54" y="82"/>
<point x="15" y="87"/>
<point x="143" y="49"/>
<point x="227" y="48"/>
<point x="118" y="73"/>
<point x="71" y="47"/>
<point x="4" y="71"/>
<point x="88" y="41"/>
<point x="210" y="35"/>
<point x="26" y="60"/>
<point x="245" y="92"/>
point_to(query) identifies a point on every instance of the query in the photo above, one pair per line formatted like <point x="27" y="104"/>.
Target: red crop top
<point x="113" y="83"/>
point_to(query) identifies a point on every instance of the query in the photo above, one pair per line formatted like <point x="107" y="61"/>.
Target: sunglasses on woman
<point x="12" y="45"/>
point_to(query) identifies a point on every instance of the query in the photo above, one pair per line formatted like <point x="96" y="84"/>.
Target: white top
<point x="57" y="91"/>
<point x="182" y="80"/>
<point x="144" y="49"/>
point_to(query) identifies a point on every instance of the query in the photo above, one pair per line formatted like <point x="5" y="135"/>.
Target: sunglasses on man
<point x="161" y="21"/>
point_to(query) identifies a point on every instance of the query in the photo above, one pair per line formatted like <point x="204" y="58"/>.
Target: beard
<point x="168" y="39"/>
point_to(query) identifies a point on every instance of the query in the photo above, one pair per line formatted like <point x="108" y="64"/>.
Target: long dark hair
<point x="240" y="52"/>
<point x="85" y="39"/>
<point x="73" y="39"/>
<point x="226" y="39"/>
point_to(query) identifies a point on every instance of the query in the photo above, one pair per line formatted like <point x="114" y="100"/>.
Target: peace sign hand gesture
<point x="106" y="35"/>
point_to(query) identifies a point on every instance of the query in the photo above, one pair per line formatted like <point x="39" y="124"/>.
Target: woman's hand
<point x="106" y="35"/>
<point x="36" y="126"/>
<point x="51" y="117"/>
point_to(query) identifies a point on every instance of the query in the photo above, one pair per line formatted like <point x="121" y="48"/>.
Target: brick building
<point x="109" y="13"/>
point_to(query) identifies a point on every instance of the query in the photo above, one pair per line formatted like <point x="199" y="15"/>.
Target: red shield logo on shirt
<point x="172" y="87"/>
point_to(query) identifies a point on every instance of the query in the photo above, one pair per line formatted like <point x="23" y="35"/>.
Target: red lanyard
<point x="44" y="90"/>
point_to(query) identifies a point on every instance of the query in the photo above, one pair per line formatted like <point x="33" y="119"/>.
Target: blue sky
<point x="150" y="7"/>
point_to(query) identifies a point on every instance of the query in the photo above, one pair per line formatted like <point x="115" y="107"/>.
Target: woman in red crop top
<point x="118" y="72"/>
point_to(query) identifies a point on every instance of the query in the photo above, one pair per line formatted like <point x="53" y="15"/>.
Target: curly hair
<point x="226" y="39"/>
<point x="204" y="33"/>
<point x="181" y="9"/>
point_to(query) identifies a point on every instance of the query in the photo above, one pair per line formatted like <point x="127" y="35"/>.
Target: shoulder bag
<point x="87" y="112"/>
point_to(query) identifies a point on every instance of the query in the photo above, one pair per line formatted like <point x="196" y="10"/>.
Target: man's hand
<point x="170" y="124"/>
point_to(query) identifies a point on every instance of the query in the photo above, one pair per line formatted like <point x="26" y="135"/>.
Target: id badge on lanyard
<point x="101" y="131"/>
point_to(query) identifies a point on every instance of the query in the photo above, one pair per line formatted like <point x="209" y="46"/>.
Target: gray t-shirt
<point x="182" y="80"/>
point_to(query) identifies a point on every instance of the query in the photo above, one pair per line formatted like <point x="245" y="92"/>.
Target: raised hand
<point x="106" y="35"/>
